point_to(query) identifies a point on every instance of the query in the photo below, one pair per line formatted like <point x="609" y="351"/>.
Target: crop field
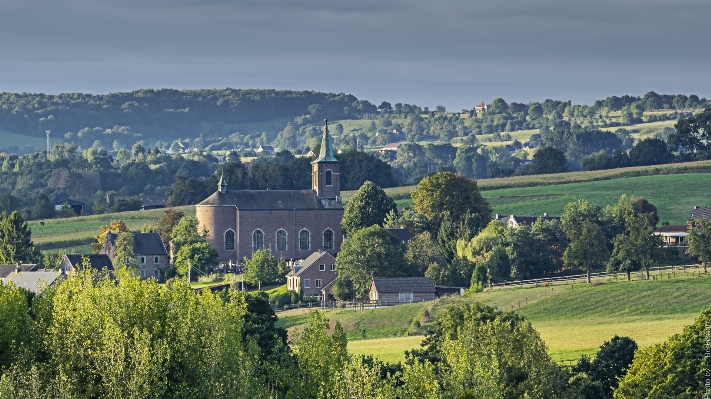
<point x="572" y="319"/>
<point x="77" y="233"/>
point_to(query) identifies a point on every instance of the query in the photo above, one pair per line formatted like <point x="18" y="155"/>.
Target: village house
<point x="673" y="235"/>
<point x="312" y="275"/>
<point x="5" y="270"/>
<point x="74" y="262"/>
<point x="35" y="280"/>
<point x="402" y="290"/>
<point x="266" y="149"/>
<point x="149" y="250"/>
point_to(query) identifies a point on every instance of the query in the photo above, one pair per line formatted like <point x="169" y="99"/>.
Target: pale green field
<point x="644" y="130"/>
<point x="390" y="350"/>
<point x="8" y="139"/>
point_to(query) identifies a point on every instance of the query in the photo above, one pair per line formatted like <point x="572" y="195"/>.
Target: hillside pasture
<point x="20" y="140"/>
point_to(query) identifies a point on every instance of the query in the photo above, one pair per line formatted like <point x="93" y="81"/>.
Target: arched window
<point x="329" y="178"/>
<point x="257" y="240"/>
<point x="328" y="239"/>
<point x="304" y="240"/>
<point x="281" y="240"/>
<point x="229" y="240"/>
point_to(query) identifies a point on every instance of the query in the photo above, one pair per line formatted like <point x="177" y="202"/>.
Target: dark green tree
<point x="649" y="151"/>
<point x="16" y="240"/>
<point x="369" y="206"/>
<point x="588" y="249"/>
<point x="452" y="194"/>
<point x="43" y="209"/>
<point x="612" y="361"/>
<point x="549" y="160"/>
<point x="700" y="240"/>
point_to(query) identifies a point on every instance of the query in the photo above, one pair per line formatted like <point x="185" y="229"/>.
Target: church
<point x="291" y="223"/>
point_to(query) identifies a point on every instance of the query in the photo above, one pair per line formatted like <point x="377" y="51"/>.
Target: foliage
<point x="699" y="239"/>
<point x="200" y="257"/>
<point x="674" y="368"/>
<point x="549" y="160"/>
<point x="116" y="227"/>
<point x="263" y="267"/>
<point x="168" y="220"/>
<point x="612" y="361"/>
<point x="369" y="206"/>
<point x="692" y="136"/>
<point x="187" y="232"/>
<point x="588" y="249"/>
<point x="371" y="252"/>
<point x="16" y="240"/>
<point x="451" y="194"/>
<point x="123" y="252"/>
<point x="43" y="209"/>
<point x="422" y="252"/>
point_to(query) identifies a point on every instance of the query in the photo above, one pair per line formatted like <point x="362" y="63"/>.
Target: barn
<point x="402" y="289"/>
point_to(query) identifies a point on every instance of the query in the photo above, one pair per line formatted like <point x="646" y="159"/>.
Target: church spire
<point x="326" y="154"/>
<point x="222" y="186"/>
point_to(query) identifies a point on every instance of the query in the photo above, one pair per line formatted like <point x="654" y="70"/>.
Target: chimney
<point x="545" y="215"/>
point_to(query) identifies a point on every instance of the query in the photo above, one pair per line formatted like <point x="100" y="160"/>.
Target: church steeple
<point x="222" y="186"/>
<point x="326" y="154"/>
<point x="325" y="177"/>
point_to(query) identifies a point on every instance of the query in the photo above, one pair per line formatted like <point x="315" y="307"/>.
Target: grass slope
<point x="572" y="319"/>
<point x="13" y="139"/>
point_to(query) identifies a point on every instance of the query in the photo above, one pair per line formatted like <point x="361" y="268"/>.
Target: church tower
<point x="325" y="177"/>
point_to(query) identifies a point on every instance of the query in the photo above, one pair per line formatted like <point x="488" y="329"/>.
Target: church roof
<point x="326" y="154"/>
<point x="265" y="199"/>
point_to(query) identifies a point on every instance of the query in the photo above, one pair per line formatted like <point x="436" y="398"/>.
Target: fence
<point x="654" y="273"/>
<point x="342" y="305"/>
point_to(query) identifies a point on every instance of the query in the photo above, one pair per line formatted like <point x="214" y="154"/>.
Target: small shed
<point x="77" y="206"/>
<point x="402" y="289"/>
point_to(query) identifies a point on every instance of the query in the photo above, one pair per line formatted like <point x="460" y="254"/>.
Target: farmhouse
<point x="402" y="289"/>
<point x="292" y="223"/>
<point x="150" y="253"/>
<point x="267" y="149"/>
<point x="312" y="274"/>
<point x="699" y="212"/>
<point x="391" y="147"/>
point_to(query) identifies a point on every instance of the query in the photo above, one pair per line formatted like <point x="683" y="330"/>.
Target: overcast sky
<point x="454" y="53"/>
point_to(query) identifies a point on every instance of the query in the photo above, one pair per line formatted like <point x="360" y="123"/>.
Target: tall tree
<point x="16" y="240"/>
<point x="43" y="209"/>
<point x="116" y="226"/>
<point x="452" y="194"/>
<point x="168" y="220"/>
<point x="199" y="257"/>
<point x="123" y="249"/>
<point x="588" y="249"/>
<point x="369" y="206"/>
<point x="187" y="232"/>
<point x="700" y="240"/>
<point x="549" y="160"/>
<point x="371" y="252"/>
<point x="612" y="361"/>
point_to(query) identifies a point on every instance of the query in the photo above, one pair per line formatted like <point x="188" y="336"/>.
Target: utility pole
<point x="48" y="145"/>
<point x="189" y="266"/>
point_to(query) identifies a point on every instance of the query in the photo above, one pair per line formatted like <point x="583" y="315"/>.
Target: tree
<point x="499" y="106"/>
<point x="187" y="231"/>
<point x="612" y="361"/>
<point x="371" y="252"/>
<point x="8" y="204"/>
<point x="649" y="151"/>
<point x="43" y="209"/>
<point x="422" y="252"/>
<point x="700" y="240"/>
<point x="123" y="250"/>
<point x="635" y="247"/>
<point x="588" y="249"/>
<point x="452" y="194"/>
<point x="262" y="268"/>
<point x="549" y="160"/>
<point x="200" y="257"/>
<point x="116" y="227"/>
<point x="168" y="220"/>
<point x="16" y="240"/>
<point x="369" y="206"/>
<point x="692" y="135"/>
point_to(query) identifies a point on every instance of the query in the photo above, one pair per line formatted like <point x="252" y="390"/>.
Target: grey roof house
<point x="5" y="270"/>
<point x="699" y="212"/>
<point x="312" y="275"/>
<point x="35" y="280"/>
<point x="72" y="262"/>
<point x="149" y="250"/>
<point x="402" y="290"/>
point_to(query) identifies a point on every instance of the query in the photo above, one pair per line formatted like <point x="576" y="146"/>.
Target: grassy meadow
<point x="572" y="319"/>
<point x="19" y="140"/>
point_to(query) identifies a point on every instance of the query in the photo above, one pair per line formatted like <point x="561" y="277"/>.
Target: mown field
<point x="8" y="139"/>
<point x="572" y="319"/>
<point x="76" y="234"/>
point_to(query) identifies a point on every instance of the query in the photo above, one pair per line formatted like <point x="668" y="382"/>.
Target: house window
<point x="322" y="268"/>
<point x="328" y="239"/>
<point x="307" y="283"/>
<point x="318" y="283"/>
<point x="329" y="178"/>
<point x="333" y="267"/>
<point x="156" y="260"/>
<point x="281" y="240"/>
<point x="229" y="240"/>
<point x="304" y="240"/>
<point x="257" y="240"/>
<point x="142" y="260"/>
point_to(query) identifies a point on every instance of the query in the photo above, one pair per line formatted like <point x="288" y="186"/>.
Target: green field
<point x="8" y="139"/>
<point x="75" y="234"/>
<point x="572" y="319"/>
